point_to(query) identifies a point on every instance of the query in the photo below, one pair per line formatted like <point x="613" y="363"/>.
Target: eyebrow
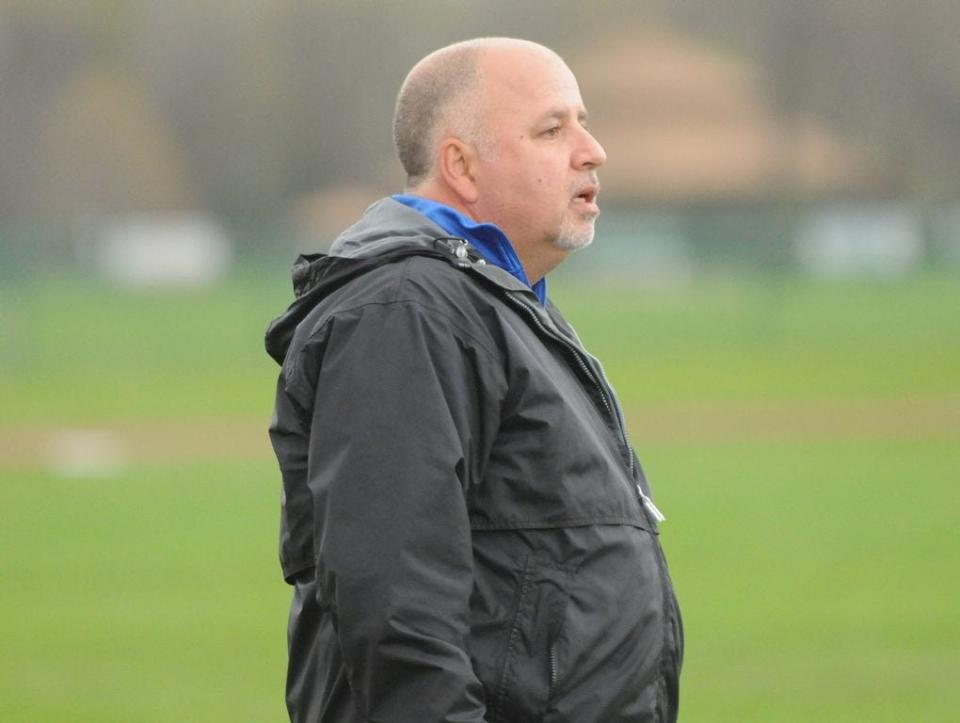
<point x="561" y="114"/>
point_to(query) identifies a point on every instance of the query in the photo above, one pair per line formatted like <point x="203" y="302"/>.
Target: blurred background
<point x="774" y="290"/>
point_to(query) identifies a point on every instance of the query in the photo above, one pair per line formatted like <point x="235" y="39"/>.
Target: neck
<point x="537" y="264"/>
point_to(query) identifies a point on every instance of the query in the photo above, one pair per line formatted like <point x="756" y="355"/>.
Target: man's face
<point x="538" y="180"/>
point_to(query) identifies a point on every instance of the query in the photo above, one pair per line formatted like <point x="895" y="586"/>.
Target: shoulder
<point x="417" y="313"/>
<point x="415" y="290"/>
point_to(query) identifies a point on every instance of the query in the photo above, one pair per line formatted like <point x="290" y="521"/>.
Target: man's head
<point x="440" y="96"/>
<point x="496" y="128"/>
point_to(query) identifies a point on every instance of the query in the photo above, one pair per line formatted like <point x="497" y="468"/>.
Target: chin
<point x="574" y="239"/>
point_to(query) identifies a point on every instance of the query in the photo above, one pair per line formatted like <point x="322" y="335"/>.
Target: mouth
<point x="587" y="197"/>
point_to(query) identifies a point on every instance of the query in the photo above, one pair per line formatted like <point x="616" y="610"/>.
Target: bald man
<point x="467" y="530"/>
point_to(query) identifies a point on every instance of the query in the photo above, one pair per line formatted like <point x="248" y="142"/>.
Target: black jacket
<point x="463" y="518"/>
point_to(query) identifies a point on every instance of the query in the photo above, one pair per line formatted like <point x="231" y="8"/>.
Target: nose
<point x="589" y="153"/>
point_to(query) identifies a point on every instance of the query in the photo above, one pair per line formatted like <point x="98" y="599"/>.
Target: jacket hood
<point x="386" y="226"/>
<point x="387" y="232"/>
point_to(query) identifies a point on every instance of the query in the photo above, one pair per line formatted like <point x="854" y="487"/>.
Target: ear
<point x="457" y="165"/>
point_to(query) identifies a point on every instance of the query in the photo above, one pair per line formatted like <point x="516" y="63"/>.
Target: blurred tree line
<point x="243" y="107"/>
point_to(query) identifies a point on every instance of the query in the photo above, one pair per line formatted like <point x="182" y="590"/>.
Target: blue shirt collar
<point x="487" y="238"/>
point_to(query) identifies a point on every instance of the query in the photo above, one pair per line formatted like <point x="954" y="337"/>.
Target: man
<point x="468" y="532"/>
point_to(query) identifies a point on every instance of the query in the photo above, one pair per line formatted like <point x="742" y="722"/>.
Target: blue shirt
<point x="487" y="238"/>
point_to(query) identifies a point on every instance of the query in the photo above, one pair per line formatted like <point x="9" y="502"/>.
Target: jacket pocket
<point x="533" y="662"/>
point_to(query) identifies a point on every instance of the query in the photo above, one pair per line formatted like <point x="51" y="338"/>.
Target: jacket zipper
<point x="577" y="354"/>
<point x="645" y="501"/>
<point x="553" y="666"/>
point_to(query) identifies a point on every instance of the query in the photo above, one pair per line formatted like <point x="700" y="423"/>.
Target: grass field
<point x="803" y="439"/>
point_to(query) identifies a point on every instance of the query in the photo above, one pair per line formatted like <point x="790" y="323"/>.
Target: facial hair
<point x="575" y="233"/>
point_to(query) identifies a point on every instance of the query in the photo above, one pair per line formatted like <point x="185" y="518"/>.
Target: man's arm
<point x="404" y="405"/>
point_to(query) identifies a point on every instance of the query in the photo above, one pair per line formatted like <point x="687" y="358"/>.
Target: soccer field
<point x="803" y="440"/>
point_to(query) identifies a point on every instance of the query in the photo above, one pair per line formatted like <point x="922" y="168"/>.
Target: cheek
<point x="533" y="180"/>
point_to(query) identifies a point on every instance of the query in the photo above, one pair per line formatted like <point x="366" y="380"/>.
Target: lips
<point x="586" y="196"/>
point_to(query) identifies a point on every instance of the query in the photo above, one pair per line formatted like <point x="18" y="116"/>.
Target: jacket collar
<point x="487" y="238"/>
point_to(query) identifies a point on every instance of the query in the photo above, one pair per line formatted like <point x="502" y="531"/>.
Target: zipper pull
<point x="652" y="508"/>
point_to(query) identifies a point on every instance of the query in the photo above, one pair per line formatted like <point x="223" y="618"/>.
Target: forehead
<point x="523" y="83"/>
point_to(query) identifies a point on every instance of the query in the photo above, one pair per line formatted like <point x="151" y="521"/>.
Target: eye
<point x="551" y="132"/>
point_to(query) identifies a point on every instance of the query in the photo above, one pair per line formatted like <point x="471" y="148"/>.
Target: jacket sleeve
<point x="405" y="405"/>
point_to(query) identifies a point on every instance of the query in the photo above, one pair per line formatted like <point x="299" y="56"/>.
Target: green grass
<point x="780" y="338"/>
<point x="76" y="352"/>
<point x="817" y="580"/>
<point x="816" y="583"/>
<point x="151" y="596"/>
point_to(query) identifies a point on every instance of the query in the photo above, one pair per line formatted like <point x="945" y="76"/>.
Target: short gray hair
<point x="436" y="93"/>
